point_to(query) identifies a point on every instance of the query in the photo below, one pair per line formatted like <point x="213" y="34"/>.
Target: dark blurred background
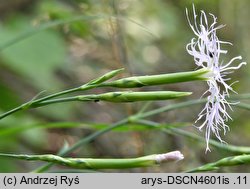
<point x="148" y="38"/>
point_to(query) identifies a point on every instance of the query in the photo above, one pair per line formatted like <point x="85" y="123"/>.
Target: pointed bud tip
<point x="189" y="93"/>
<point x="118" y="70"/>
<point x="170" y="156"/>
<point x="182" y="94"/>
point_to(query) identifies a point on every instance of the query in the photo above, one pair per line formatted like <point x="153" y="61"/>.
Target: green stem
<point x="31" y="104"/>
<point x="60" y="100"/>
<point x="228" y="161"/>
<point x="17" y="109"/>
<point x="93" y="163"/>
<point x="191" y="103"/>
<point x="34" y="103"/>
<point x="83" y="141"/>
<point x="172" y="107"/>
<point x="90" y="163"/>
<point x="175" y="131"/>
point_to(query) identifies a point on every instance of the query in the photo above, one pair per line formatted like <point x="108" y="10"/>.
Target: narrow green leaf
<point x="105" y="77"/>
<point x="243" y="106"/>
<point x="35" y="30"/>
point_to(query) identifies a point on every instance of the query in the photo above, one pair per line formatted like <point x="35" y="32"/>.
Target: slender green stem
<point x="228" y="161"/>
<point x="93" y="163"/>
<point x="175" y="131"/>
<point x="187" y="104"/>
<point x="144" y="107"/>
<point x="30" y="104"/>
<point x="172" y="107"/>
<point x="60" y="100"/>
<point x="83" y="141"/>
<point x="11" y="111"/>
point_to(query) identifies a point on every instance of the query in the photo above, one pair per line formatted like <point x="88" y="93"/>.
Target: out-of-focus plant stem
<point x="81" y="142"/>
<point x="175" y="131"/>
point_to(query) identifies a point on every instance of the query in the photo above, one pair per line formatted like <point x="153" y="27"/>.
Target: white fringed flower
<point x="206" y="50"/>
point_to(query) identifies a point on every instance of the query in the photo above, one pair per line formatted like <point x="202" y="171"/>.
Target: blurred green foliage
<point x="145" y="37"/>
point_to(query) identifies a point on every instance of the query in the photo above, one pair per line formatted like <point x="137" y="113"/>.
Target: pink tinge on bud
<point x="170" y="156"/>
